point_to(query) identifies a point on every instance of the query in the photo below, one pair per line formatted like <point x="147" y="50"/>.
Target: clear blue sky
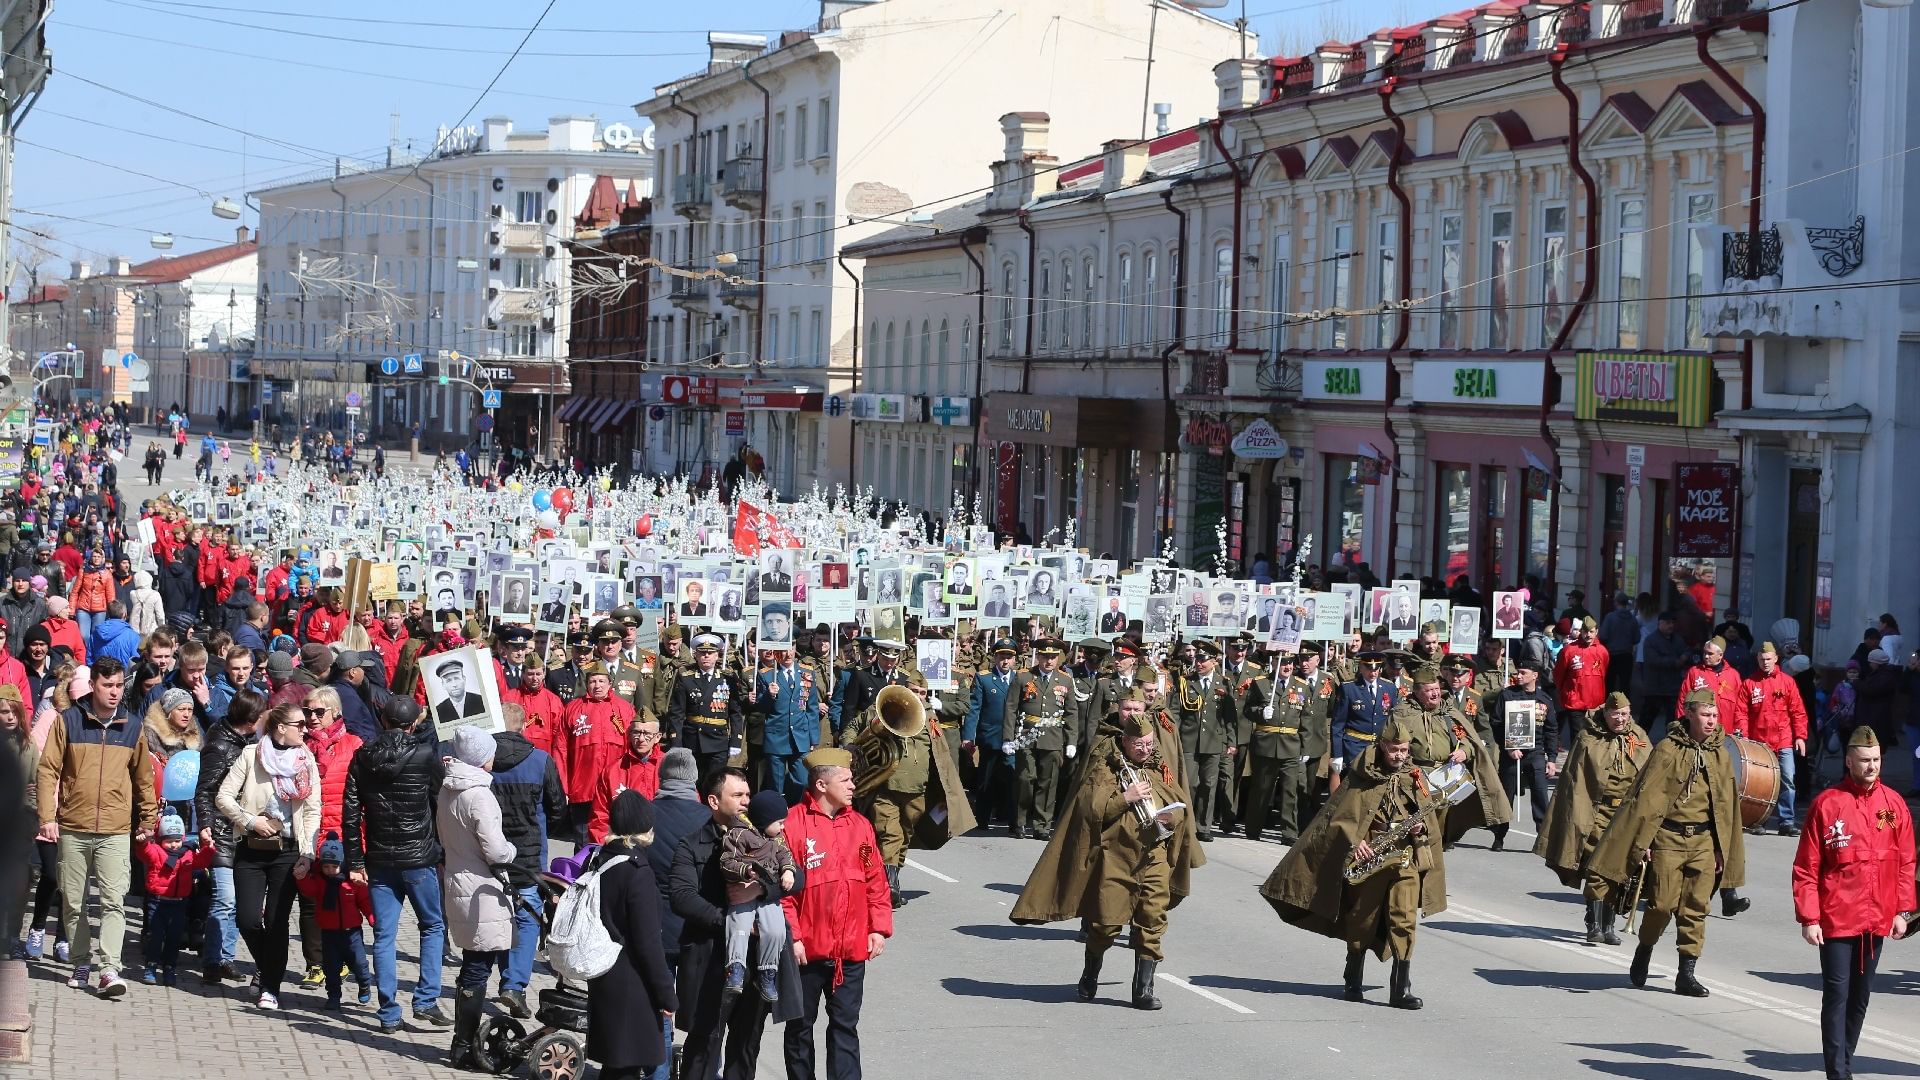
<point x="307" y="81"/>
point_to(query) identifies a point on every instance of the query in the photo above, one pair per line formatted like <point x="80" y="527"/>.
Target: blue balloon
<point x="183" y="775"/>
<point x="542" y="499"/>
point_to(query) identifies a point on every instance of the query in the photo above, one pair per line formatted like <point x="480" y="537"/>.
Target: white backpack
<point x="578" y="946"/>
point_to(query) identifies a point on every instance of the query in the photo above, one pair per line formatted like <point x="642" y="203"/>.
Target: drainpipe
<point x="853" y="444"/>
<point x="1550" y="383"/>
<point x="766" y="132"/>
<point x="1026" y="352"/>
<point x="1387" y="87"/>
<point x="979" y="368"/>
<point x="1755" y="185"/>
<point x="1239" y="193"/>
<point x="1177" y="338"/>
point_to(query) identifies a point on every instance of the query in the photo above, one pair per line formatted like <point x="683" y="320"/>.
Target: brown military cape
<point x="1572" y="828"/>
<point x="1309" y="887"/>
<point x="948" y="814"/>
<point x="1065" y="883"/>
<point x="1488" y="804"/>
<point x="1653" y="795"/>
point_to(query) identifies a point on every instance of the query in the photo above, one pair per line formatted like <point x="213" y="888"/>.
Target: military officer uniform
<point x="1204" y="702"/>
<point x="1360" y="709"/>
<point x="1278" y="755"/>
<point x="854" y="696"/>
<point x="631" y="683"/>
<point x="1041" y="705"/>
<point x="705" y="715"/>
<point x="1322" y="688"/>
<point x="566" y="678"/>
<point x="984" y="727"/>
<point x="1248" y="687"/>
<point x="666" y="673"/>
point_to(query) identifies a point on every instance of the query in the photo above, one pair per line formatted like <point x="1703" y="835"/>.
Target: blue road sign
<point x="835" y="406"/>
<point x="390" y="365"/>
<point x="489" y="399"/>
<point x="127" y="360"/>
<point x="411" y="363"/>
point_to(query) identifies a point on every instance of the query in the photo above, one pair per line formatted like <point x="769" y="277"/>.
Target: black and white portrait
<point x="460" y="692"/>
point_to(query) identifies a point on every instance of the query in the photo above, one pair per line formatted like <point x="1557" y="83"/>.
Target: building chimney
<point x="1239" y="82"/>
<point x="495" y="131"/>
<point x="118" y="266"/>
<point x="1122" y="162"/>
<point x="80" y="271"/>
<point x="240" y="234"/>
<point x="1443" y="42"/>
<point x="1162" y="117"/>
<point x="570" y="133"/>
<point x="1329" y="62"/>
<point x="1015" y="182"/>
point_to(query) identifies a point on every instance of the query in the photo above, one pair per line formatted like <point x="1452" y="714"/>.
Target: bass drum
<point x="1756" y="778"/>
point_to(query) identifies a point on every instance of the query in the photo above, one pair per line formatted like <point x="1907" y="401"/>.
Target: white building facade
<point x="781" y="152"/>
<point x="185" y="305"/>
<point x="461" y="258"/>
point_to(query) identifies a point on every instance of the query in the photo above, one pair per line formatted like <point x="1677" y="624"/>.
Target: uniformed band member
<point x="1359" y="711"/>
<point x="906" y="782"/>
<point x="1040" y="713"/>
<point x="1606" y="758"/>
<point x="1442" y="736"/>
<point x="1682" y="821"/>
<point x="1203" y="700"/>
<point x="1381" y="912"/>
<point x="1122" y="857"/>
<point x="705" y="716"/>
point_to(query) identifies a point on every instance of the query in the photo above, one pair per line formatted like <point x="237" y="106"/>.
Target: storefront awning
<point x="591" y="418"/>
<point x="615" y="416"/>
<point x="570" y="412"/>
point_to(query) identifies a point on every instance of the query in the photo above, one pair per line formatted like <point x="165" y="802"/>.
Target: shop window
<point x="1539" y="522"/>
<point x="1493" y="536"/>
<point x="1613" y="533"/>
<point x="1346" y="516"/>
<point x="1452" y="520"/>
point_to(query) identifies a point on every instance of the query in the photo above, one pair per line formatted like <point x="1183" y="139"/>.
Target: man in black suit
<point x="996" y="606"/>
<point x="775" y="578"/>
<point x="1115" y="620"/>
<point x="458" y="704"/>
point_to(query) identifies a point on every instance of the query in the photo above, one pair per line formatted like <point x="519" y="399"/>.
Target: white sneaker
<point x="268" y="1001"/>
<point x="36" y="944"/>
<point x="111" y="986"/>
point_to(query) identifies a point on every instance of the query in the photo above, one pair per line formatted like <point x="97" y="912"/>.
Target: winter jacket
<point x="846" y="896"/>
<point x="353" y="708"/>
<point x="352" y="904"/>
<point x="640" y="983"/>
<point x="333" y="750"/>
<point x="1664" y="661"/>
<point x="752" y="863"/>
<point x="145" y="613"/>
<point x="14" y="673"/>
<point x="697" y="891"/>
<point x="163" y="742"/>
<point x="92" y="590"/>
<point x="388" y="646"/>
<point x="479" y="913"/>
<point x="593" y="737"/>
<point x="220" y="749"/>
<point x="532" y="803"/>
<point x="323" y="625"/>
<point x="677" y="814"/>
<point x="543" y="708"/>
<point x="387" y="817"/>
<point x="220" y="692"/>
<point x="1853" y="871"/>
<point x="1775" y="714"/>
<point x="174" y="882"/>
<point x="22" y="614"/>
<point x="115" y="638"/>
<point x="179" y="592"/>
<point x="1580" y="676"/>
<point x="1873" y="697"/>
<point x="233" y="610"/>
<point x="247" y="792"/>
<point x="95" y="777"/>
<point x="628" y="773"/>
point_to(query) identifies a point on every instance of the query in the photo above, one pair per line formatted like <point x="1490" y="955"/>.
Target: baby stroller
<point x="555" y="1050"/>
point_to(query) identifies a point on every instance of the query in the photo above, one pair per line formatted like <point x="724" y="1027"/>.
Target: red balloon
<point x="563" y="499"/>
<point x="644" y="527"/>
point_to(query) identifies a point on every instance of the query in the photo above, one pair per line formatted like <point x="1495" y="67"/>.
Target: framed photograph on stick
<point x="461" y="693"/>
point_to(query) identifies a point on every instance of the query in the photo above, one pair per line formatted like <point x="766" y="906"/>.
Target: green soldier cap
<point x="829" y="757"/>
<point x="1618" y="700"/>
<point x="1718" y="641"/>
<point x="1394" y="731"/>
<point x="1589" y="623"/>
<point x="1702" y="697"/>
<point x="595" y="668"/>
<point x="1424" y="674"/>
<point x="1863" y="736"/>
<point x="606" y="630"/>
<point x="1432" y="626"/>
<point x="627" y="614"/>
<point x="1767" y="649"/>
<point x="1312" y="648"/>
<point x="1136" y="726"/>
<point x="1003" y="647"/>
<point x="1206" y="648"/>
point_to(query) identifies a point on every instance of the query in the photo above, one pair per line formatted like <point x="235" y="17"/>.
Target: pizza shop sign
<point x="1209" y="432"/>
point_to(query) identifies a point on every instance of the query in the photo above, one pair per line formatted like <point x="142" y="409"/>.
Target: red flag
<point x="753" y="526"/>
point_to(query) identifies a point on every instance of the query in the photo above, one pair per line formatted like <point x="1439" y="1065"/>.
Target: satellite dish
<point x="618" y="136"/>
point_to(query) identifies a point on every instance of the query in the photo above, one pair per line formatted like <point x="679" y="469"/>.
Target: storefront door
<point x="1803" y="548"/>
<point x="1613" y="535"/>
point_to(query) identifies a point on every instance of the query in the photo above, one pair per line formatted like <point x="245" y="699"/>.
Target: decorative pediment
<point x="1488" y="136"/>
<point x="1334" y="159"/>
<point x="1694" y="108"/>
<point x="1378" y="149"/>
<point x="1623" y="117"/>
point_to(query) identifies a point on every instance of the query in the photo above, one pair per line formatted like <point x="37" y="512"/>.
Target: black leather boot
<point x="1355" y="974"/>
<point x="468" y="1009"/>
<point x="1732" y="903"/>
<point x="1090" y="975"/>
<point x="1642" y="956"/>
<point x="1143" y="968"/>
<point x="1595" y="913"/>
<point x="893" y="887"/>
<point x="1608" y="935"/>
<point x="1400" y="985"/>
<point x="1684" y="982"/>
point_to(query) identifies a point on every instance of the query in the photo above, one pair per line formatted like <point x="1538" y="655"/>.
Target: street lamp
<point x="226" y="209"/>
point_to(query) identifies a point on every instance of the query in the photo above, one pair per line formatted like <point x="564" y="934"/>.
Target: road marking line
<point x="1806" y="1013"/>
<point x="1205" y="993"/>
<point x="930" y="872"/>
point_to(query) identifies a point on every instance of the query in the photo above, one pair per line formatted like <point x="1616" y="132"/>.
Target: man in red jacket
<point x="1777" y="717"/>
<point x="389" y="635"/>
<point x="594" y="734"/>
<point x="1715" y="674"/>
<point x="543" y="707"/>
<point x="326" y="621"/>
<point x="1580" y="680"/>
<point x="840" y="919"/>
<point x="637" y="770"/>
<point x="1852" y="887"/>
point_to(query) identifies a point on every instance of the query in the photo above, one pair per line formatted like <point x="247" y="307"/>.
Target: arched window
<point x="926" y="356"/>
<point x="940" y="362"/>
<point x="1066" y="304"/>
<point x="1006" y="309"/>
<point x="966" y="339"/>
<point x="1125" y="305"/>
<point x="1045" y="303"/>
<point x="892" y="373"/>
<point x="1150" y="312"/>
<point x="872" y="354"/>
<point x="1086" y="305"/>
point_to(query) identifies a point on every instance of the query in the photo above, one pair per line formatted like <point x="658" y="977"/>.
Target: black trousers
<point x="1656" y="712"/>
<point x="1846" y="981"/>
<point x="993" y="787"/>
<point x="263" y="895"/>
<point x="1533" y="763"/>
<point x="739" y="1025"/>
<point x="843" y="1021"/>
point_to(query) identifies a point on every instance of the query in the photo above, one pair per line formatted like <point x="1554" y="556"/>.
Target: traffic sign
<point x="139" y="370"/>
<point x="266" y="393"/>
<point x="485" y="423"/>
<point x="353" y="399"/>
<point x="411" y="364"/>
<point x="127" y="360"/>
<point x="390" y="365"/>
<point x="353" y="410"/>
<point x="489" y="399"/>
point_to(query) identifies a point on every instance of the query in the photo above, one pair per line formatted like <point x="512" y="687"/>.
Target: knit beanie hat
<point x="38" y="633"/>
<point x="765" y="808"/>
<point x="316" y="658"/>
<point x="172" y="828"/>
<point x="332" y="850"/>
<point x="173" y="699"/>
<point x="679" y="765"/>
<point x="630" y="814"/>
<point x="57" y="606"/>
<point x="473" y="746"/>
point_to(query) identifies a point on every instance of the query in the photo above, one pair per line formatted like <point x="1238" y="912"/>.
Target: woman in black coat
<point x="179" y="584"/>
<point x="638" y="984"/>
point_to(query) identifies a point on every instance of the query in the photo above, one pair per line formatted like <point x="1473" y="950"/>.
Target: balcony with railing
<point x="691" y="198"/>
<point x="688" y="292"/>
<point x="741" y="287"/>
<point x="522" y="235"/>
<point x="1783" y="281"/>
<point x="740" y="183"/>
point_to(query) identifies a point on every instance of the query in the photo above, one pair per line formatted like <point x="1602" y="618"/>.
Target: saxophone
<point x="1393" y="847"/>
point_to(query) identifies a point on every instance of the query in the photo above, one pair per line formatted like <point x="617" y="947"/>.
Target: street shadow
<point x="997" y="932"/>
<point x="1001" y="886"/>
<point x="365" y="1031"/>
<point x="1803" y="979"/>
<point x="1574" y="982"/>
<point x="1501" y="930"/>
<point x="977" y="988"/>
<point x="1558" y="897"/>
<point x="1776" y="1061"/>
<point x="1662" y="1070"/>
<point x="1649" y="1050"/>
<point x="1267" y="986"/>
<point x="1897" y="982"/>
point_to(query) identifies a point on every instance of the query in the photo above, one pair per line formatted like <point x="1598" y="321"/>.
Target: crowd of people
<point x="297" y="703"/>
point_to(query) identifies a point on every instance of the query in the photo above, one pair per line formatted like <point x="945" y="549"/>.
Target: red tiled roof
<point x="182" y="267"/>
<point x="603" y="204"/>
<point x="51" y="293"/>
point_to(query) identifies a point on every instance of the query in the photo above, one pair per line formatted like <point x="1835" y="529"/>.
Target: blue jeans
<point x="85" y="619"/>
<point x="1786" y="787"/>
<point x="516" y="964"/>
<point x="338" y="949"/>
<point x="664" y="1071"/>
<point x="420" y="887"/>
<point x="165" y="932"/>
<point x="222" y="932"/>
<point x="787" y="774"/>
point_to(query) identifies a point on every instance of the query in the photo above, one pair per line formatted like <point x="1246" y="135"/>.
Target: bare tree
<point x="34" y="254"/>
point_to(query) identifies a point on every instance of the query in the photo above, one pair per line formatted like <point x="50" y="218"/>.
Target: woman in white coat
<point x="479" y="912"/>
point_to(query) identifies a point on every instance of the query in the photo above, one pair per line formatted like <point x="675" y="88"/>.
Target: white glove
<point x="1070" y="751"/>
<point x="1338" y="764"/>
<point x="1009" y="748"/>
<point x="1303" y="760"/>
<point x="1268" y="711"/>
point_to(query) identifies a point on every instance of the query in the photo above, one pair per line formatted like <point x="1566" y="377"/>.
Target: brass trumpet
<point x="897" y="715"/>
<point x="1144" y="809"/>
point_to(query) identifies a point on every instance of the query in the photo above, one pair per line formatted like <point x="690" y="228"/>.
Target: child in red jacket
<point x="172" y="860"/>
<point x="340" y="906"/>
